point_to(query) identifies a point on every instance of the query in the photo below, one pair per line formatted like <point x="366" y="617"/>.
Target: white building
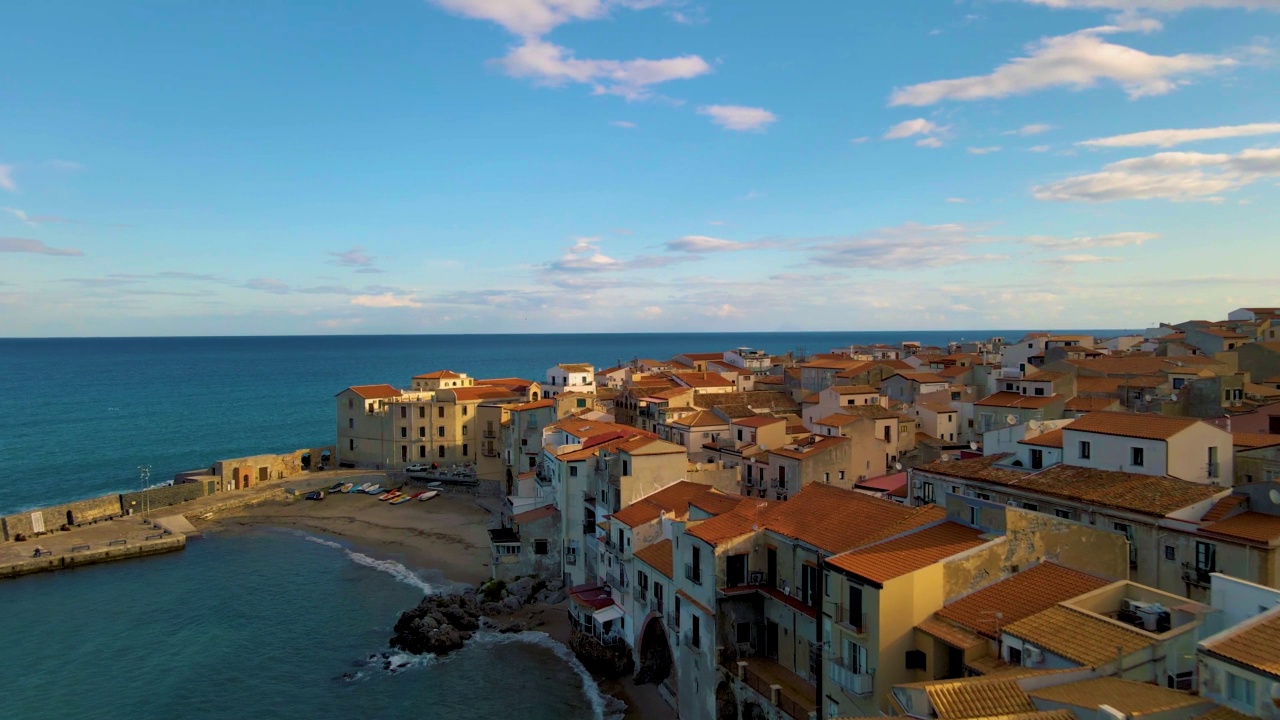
<point x="570" y="377"/>
<point x="1184" y="448"/>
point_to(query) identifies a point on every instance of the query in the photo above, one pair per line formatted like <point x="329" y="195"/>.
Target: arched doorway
<point x="726" y="703"/>
<point x="655" y="653"/>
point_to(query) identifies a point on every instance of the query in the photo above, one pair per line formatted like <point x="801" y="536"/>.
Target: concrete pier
<point x="106" y="541"/>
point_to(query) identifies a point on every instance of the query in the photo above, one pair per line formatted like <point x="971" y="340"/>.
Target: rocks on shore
<point x="443" y="623"/>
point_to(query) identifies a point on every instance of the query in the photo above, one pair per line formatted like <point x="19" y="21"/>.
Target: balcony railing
<point x="1196" y="575"/>
<point x="1212" y="470"/>
<point x="655" y="605"/>
<point x="693" y="574"/>
<point x="673" y="621"/>
<point x="853" y="681"/>
<point x="491" y="434"/>
<point x="489" y="452"/>
<point x="857" y="624"/>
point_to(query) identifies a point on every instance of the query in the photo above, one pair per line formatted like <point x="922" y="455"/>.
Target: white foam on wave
<point x="390" y="567"/>
<point x="603" y="707"/>
<point x="401" y="661"/>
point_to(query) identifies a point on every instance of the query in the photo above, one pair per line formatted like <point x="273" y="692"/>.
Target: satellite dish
<point x="1274" y="495"/>
<point x="973" y="444"/>
<point x="1011" y="419"/>
<point x="1147" y="397"/>
<point x="898" y="466"/>
<point x="1174" y="397"/>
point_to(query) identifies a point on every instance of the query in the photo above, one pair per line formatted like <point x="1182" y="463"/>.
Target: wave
<point x="603" y="707"/>
<point x="391" y="567"/>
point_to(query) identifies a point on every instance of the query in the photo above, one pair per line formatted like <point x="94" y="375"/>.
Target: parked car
<point x="417" y="468"/>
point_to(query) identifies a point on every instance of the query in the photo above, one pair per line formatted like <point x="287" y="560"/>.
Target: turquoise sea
<point x="261" y="623"/>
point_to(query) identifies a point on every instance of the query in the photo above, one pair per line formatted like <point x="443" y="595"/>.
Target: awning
<point x="605" y="614"/>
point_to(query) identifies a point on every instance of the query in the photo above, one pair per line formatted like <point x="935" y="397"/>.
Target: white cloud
<point x="386" y="300"/>
<point x="6" y="178"/>
<point x="271" y="285"/>
<point x="1082" y="259"/>
<point x="909" y="128"/>
<point x="355" y="257"/>
<point x="551" y="64"/>
<point x="909" y="246"/>
<point x="703" y="244"/>
<point x="738" y="117"/>
<point x="1078" y="60"/>
<point x="859" y="140"/>
<point x="1039" y="148"/>
<point x="526" y="17"/>
<point x="1159" y="5"/>
<point x="652" y="311"/>
<point x="25" y="245"/>
<point x="585" y="256"/>
<point x="957" y="200"/>
<point x="1033" y="129"/>
<point x="929" y="142"/>
<point x="1113" y="240"/>
<point x="1170" y="138"/>
<point x="984" y="150"/>
<point x="623" y="124"/>
<point x="1177" y="176"/>
<point x="724" y="310"/>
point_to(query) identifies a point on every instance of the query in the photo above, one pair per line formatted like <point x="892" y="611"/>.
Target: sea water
<point x="264" y="624"/>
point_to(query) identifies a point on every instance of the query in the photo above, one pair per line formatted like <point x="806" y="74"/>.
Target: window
<point x="441" y="452"/>
<point x="1085" y="447"/>
<point x="1008" y="387"/>
<point x="975" y="515"/>
<point x="465" y="451"/>
<point x="422" y="431"/>
<point x="841" y="475"/>
<point x="809" y="585"/>
<point x="440" y="411"/>
<point x="1178" y="383"/>
<point x="350" y="403"/>
<point x="626" y="467"/>
<point x="352" y="445"/>
<point x="573" y="471"/>
<point x="465" y="428"/>
<point x="540" y="546"/>
<point x="1213" y="462"/>
<point x="1127" y="530"/>
<point x="351" y="423"/>
<point x="464" y="410"/>
<point x="1206" y="557"/>
<point x="404" y="431"/>
<point x="1033" y="507"/>
<point x="1240" y="690"/>
<point x="422" y="451"/>
<point x="739" y="434"/>
<point x="695" y="631"/>
<point x="1136" y="456"/>
<point x="1039" y="390"/>
<point x="404" y="412"/>
<point x="440" y="431"/>
<point x="855" y="617"/>
<point x="1015" y="656"/>
<point x="926" y="492"/>
<point x="422" y="411"/>
<point x="826" y="478"/>
<point x="742" y="632"/>
<point x="1037" y="458"/>
<point x="1170" y="553"/>
<point x="1064" y="514"/>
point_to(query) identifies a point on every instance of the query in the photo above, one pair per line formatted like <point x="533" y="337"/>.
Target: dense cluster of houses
<point x="1050" y="527"/>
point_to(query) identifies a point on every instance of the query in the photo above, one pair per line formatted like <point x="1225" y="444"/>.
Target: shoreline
<point x="447" y="535"/>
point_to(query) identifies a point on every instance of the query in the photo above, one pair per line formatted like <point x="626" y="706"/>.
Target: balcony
<point x="693" y="574"/>
<point x="673" y="621"/>
<point x="589" y="527"/>
<point x="489" y="452"/>
<point x="856" y="624"/>
<point x="490" y="434"/>
<point x="655" y="605"/>
<point x="850" y="679"/>
<point x="1193" y="575"/>
<point x="775" y="685"/>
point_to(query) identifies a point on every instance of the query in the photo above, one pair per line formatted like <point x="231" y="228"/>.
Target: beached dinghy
<point x="348" y="487"/>
<point x="362" y="487"/>
<point x="337" y="487"/>
<point x="389" y="495"/>
<point x="401" y="500"/>
<point x="428" y="495"/>
<point x="373" y="490"/>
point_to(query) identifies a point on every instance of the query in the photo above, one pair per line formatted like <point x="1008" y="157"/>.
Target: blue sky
<point x="421" y="166"/>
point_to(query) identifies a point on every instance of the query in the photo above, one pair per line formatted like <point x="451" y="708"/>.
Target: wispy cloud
<point x="1079" y="60"/>
<point x="355" y="257"/>
<point x="984" y="150"/>
<point x="550" y="64"/>
<point x="1177" y="176"/>
<point x="269" y="285"/>
<point x="927" y="132"/>
<point x="1170" y="138"/>
<point x="585" y="257"/>
<point x="1029" y="130"/>
<point x="625" y="124"/>
<point x="739" y="117"/>
<point x="387" y="300"/>
<point x="1158" y="5"/>
<point x="526" y="17"/>
<point x="905" y="247"/>
<point x="1082" y="259"/>
<point x="6" y="178"/>
<point x="27" y="245"/>
<point x="1113" y="240"/>
<point x="702" y="244"/>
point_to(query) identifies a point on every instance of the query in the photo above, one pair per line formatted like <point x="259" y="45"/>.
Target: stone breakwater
<point x="441" y="624"/>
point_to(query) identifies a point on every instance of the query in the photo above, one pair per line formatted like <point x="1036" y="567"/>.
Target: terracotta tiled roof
<point x="701" y="356"/>
<point x="1219" y="332"/>
<point x="674" y="499"/>
<point x="1014" y="400"/>
<point x="1021" y="595"/>
<point x="922" y="377"/>
<point x="1224" y="507"/>
<point x="1139" y="365"/>
<point x="742" y="520"/>
<point x="374" y="392"/>
<point x="1254" y="440"/>
<point x="1252" y="526"/>
<point x="438" y="375"/>
<point x="977" y="698"/>
<point x="1079" y="637"/>
<point x="1254" y="643"/>
<point x="576" y="367"/>
<point x="657" y="556"/>
<point x="703" y="379"/>
<point x="815" y="445"/>
<point x="854" y="390"/>
<point x="956" y="637"/>
<point x="535" y="405"/>
<point x="1052" y="439"/>
<point x="649" y="446"/>
<point x="894" y="558"/>
<point x="701" y="418"/>
<point x="475" y="393"/>
<point x="1145" y="494"/>
<point x="1090" y="404"/>
<point x="1128" y="696"/>
<point x="508" y="382"/>
<point x="770" y="380"/>
<point x="758" y="421"/>
<point x="877" y="412"/>
<point x="1045" y="376"/>
<point x="536" y="514"/>
<point x="1148" y="426"/>
<point x="835" y="520"/>
<point x="954" y="371"/>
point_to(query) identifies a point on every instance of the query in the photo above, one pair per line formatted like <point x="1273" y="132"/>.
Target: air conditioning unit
<point x="915" y="484"/>
<point x="1013" y="503"/>
<point x="1033" y="655"/>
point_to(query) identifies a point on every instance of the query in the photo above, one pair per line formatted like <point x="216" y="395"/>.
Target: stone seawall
<point x="52" y="518"/>
<point x="159" y="497"/>
<point x="170" y="543"/>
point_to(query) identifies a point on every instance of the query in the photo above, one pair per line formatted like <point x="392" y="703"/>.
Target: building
<point x="570" y="377"/>
<point x="1184" y="448"/>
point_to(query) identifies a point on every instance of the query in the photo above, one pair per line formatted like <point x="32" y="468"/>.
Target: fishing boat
<point x="428" y="495"/>
<point x="401" y="499"/>
<point x="362" y="487"/>
<point x="435" y="486"/>
<point x="373" y="489"/>
<point x="387" y="496"/>
<point x="315" y="495"/>
<point x="336" y="487"/>
<point x="347" y="487"/>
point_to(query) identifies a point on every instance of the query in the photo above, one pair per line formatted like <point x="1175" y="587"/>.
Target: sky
<point x="483" y="166"/>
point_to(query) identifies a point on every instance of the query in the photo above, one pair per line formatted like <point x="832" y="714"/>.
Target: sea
<point x="265" y="622"/>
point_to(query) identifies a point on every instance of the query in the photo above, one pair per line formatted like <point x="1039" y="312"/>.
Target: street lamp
<point x="144" y="476"/>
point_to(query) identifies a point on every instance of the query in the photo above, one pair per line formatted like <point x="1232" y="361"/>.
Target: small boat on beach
<point x="347" y="487"/>
<point x="401" y="499"/>
<point x="316" y="495"/>
<point x="362" y="487"/>
<point x="435" y="486"/>
<point x="373" y="490"/>
<point x="428" y="495"/>
<point x="392" y="495"/>
<point x="336" y="487"/>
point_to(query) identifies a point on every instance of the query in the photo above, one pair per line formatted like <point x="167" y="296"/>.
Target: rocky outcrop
<point x="608" y="661"/>
<point x="443" y="623"/>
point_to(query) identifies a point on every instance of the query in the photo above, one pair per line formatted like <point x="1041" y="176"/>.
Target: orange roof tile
<point x="1224" y="507"/>
<point x="854" y="390"/>
<point x="894" y="558"/>
<point x="758" y="421"/>
<point x="1254" y="440"/>
<point x="1254" y="643"/>
<point x="438" y="375"/>
<point x="1014" y="400"/>
<point x="1249" y="525"/>
<point x="1132" y="698"/>
<point x="742" y="520"/>
<point x="657" y="556"/>
<point x="477" y="392"/>
<point x="1052" y="439"/>
<point x="956" y="637"/>
<point x="701" y="418"/>
<point x="673" y="499"/>
<point x="1078" y="636"/>
<point x="1148" y="426"/>
<point x="537" y="514"/>
<point x="835" y="520"/>
<point x="976" y="697"/>
<point x="811" y="447"/>
<point x="374" y="392"/>
<point x="576" y="367"/>
<point x="1020" y="595"/>
<point x="703" y="379"/>
<point x="1090" y="404"/>
<point x="535" y="405"/>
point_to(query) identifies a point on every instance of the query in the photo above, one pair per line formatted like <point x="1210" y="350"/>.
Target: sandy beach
<point x="448" y="534"/>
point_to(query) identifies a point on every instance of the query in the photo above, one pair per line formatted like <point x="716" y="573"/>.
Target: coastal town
<point x="1049" y="526"/>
